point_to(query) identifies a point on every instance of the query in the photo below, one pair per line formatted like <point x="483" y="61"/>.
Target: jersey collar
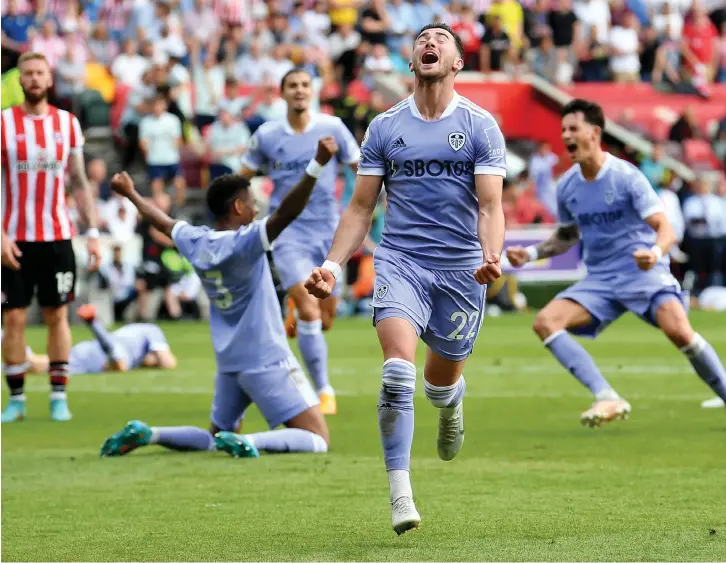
<point x="603" y="169"/>
<point x="447" y="112"/>
<point x="290" y="131"/>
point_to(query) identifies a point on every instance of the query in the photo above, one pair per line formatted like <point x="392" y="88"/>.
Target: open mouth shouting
<point x="429" y="57"/>
<point x="571" y="148"/>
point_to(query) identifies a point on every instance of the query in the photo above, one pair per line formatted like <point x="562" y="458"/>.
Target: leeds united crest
<point x="457" y="140"/>
<point x="609" y="196"/>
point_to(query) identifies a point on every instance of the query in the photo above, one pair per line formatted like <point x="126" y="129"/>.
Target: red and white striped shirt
<point x="35" y="151"/>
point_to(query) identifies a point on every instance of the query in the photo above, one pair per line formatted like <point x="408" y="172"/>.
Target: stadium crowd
<point x="198" y="77"/>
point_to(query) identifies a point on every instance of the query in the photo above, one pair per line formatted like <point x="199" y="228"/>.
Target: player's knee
<point x="680" y="333"/>
<point x="399" y="378"/>
<point x="55" y="316"/>
<point x="328" y="320"/>
<point x="546" y="323"/>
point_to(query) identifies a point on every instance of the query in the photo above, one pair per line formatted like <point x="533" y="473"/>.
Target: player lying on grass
<point x="610" y="205"/>
<point x="132" y="346"/>
<point x="254" y="360"/>
<point x="442" y="159"/>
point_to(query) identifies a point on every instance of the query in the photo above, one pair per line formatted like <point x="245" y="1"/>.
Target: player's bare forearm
<point x="80" y="183"/>
<point x="355" y="223"/>
<point x="152" y="214"/>
<point x="490" y="226"/>
<point x="290" y="207"/>
<point x="564" y="238"/>
<point x="662" y="226"/>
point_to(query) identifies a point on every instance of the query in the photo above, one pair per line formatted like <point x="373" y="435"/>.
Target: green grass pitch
<point x="529" y="484"/>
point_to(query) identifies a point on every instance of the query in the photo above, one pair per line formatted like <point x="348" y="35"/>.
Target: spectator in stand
<point x="160" y="138"/>
<point x="250" y="67"/>
<point x="344" y="12"/>
<point x="120" y="276"/>
<point x="375" y="23"/>
<point x="511" y="20"/>
<point x="536" y="23"/>
<point x="280" y="29"/>
<point x="685" y="127"/>
<point x="594" y="13"/>
<point x="235" y="102"/>
<point x="118" y="217"/>
<point x="343" y="49"/>
<point x="70" y="79"/>
<point x="669" y="22"/>
<point x="277" y="65"/>
<point x="699" y="49"/>
<point x="72" y="19"/>
<point x="544" y="59"/>
<point x="470" y="31"/>
<point x="541" y="171"/>
<point x="227" y="141"/>
<point x="98" y="179"/>
<point x="593" y="58"/>
<point x="271" y="107"/>
<point x="650" y="46"/>
<point x="653" y="168"/>
<point x="208" y="84"/>
<point x="403" y="23"/>
<point x="138" y="104"/>
<point x="316" y="24"/>
<point x="624" y="48"/>
<point x="674" y="213"/>
<point x="49" y="43"/>
<point x="15" y="28"/>
<point x="116" y="14"/>
<point x="128" y="67"/>
<point x="565" y="26"/>
<point x="495" y="47"/>
<point x="705" y="230"/>
<point x="522" y="208"/>
<point x="377" y="62"/>
<point x="102" y="49"/>
<point x="200" y="22"/>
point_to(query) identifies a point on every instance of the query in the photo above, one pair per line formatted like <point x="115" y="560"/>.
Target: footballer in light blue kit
<point x="443" y="160"/>
<point x="254" y="361"/>
<point x="132" y="346"/>
<point x="282" y="149"/>
<point x="609" y="204"/>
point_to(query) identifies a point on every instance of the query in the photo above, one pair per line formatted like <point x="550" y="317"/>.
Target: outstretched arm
<point x="297" y="199"/>
<point x="123" y="185"/>
<point x="564" y="238"/>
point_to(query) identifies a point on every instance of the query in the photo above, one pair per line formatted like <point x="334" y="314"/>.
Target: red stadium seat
<point x="699" y="154"/>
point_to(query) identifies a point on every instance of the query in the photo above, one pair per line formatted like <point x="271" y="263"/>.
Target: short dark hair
<point x="290" y="72"/>
<point x="590" y="111"/>
<point x="447" y="28"/>
<point x="223" y="191"/>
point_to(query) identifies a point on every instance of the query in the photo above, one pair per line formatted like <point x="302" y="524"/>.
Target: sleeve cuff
<point x="266" y="246"/>
<point x="490" y="171"/>
<point x="354" y="157"/>
<point x="652" y="211"/>
<point x="371" y="171"/>
<point x="175" y="229"/>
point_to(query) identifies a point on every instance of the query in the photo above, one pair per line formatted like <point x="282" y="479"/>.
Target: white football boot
<point x="451" y="431"/>
<point x="715" y="403"/>
<point x="404" y="515"/>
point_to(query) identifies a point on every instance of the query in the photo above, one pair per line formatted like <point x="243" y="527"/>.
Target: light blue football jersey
<point x="283" y="155"/>
<point x="610" y="213"/>
<point x="130" y="343"/>
<point x="245" y="321"/>
<point x="429" y="169"/>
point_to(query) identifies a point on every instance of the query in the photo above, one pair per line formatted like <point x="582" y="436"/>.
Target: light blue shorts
<point x="281" y="392"/>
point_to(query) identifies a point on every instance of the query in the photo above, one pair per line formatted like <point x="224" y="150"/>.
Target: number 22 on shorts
<point x="461" y="319"/>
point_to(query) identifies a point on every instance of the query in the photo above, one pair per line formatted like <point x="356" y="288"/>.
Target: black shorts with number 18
<point x="48" y="268"/>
